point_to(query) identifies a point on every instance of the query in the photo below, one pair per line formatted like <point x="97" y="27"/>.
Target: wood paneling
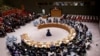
<point x="56" y="13"/>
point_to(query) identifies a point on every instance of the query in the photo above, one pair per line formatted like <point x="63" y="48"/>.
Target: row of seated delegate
<point x="76" y="47"/>
<point x="82" y="18"/>
<point x="13" y="21"/>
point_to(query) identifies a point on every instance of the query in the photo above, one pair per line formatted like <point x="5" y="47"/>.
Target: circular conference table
<point x="67" y="39"/>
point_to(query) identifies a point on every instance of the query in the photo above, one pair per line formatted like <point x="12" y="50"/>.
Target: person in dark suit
<point x="48" y="33"/>
<point x="2" y="31"/>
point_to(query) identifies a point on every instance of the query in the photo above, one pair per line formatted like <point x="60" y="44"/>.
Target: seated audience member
<point x="2" y="31"/>
<point x="35" y="23"/>
<point x="65" y="51"/>
<point x="51" y="53"/>
<point x="9" y="29"/>
<point x="1" y="20"/>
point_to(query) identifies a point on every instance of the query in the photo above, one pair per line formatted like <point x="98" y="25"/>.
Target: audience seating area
<point x="76" y="47"/>
<point x="12" y="20"/>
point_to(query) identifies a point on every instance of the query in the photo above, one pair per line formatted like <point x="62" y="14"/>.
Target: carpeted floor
<point x="32" y="31"/>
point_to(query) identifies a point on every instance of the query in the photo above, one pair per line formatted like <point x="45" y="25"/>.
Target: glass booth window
<point x="68" y="3"/>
